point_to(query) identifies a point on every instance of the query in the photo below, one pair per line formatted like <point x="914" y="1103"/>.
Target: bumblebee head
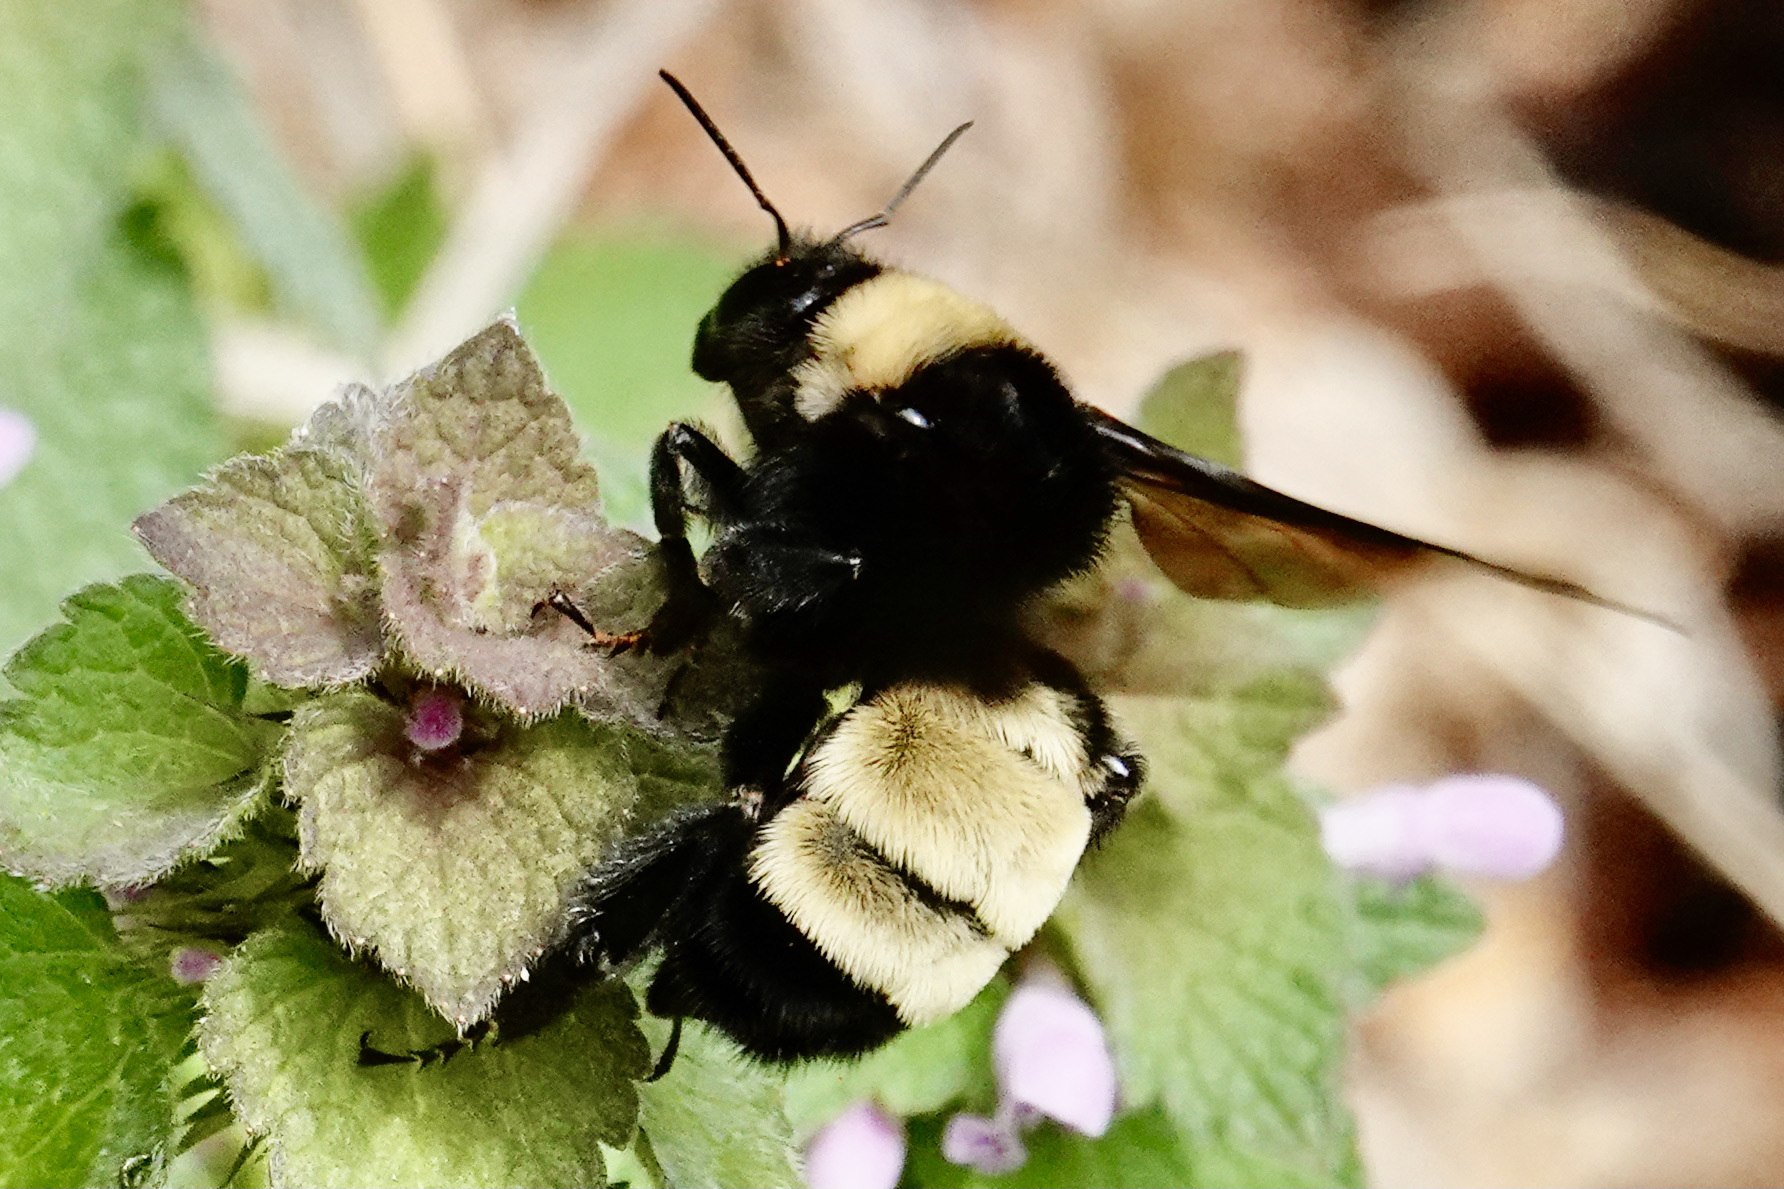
<point x="759" y="325"/>
<point x="761" y="322"/>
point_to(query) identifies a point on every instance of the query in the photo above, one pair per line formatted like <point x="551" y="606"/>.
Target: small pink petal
<point x="122" y="896"/>
<point x="18" y="442"/>
<point x="990" y="1146"/>
<point x="1051" y="1055"/>
<point x="436" y="719"/>
<point x="1498" y="827"/>
<point x="1377" y="833"/>
<point x="862" y="1148"/>
<point x="192" y="965"/>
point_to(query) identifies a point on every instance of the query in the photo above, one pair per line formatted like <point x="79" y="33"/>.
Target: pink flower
<point x="1053" y="1062"/>
<point x="1488" y="826"/>
<point x="991" y="1146"/>
<point x="862" y="1148"/>
<point x="192" y="964"/>
<point x="18" y="442"/>
<point x="436" y="719"/>
<point x="1052" y="1057"/>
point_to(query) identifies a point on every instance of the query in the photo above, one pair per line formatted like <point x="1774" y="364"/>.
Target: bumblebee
<point x="921" y="474"/>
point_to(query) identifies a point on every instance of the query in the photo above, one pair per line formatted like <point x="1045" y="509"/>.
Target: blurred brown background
<point x="1506" y="275"/>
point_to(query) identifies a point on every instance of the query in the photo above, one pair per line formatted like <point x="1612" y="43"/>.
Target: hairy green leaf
<point x="86" y="1042"/>
<point x="1401" y="930"/>
<point x="278" y="554"/>
<point x="1212" y="934"/>
<point x="283" y="1020"/>
<point x="921" y="1071"/>
<point x="99" y="345"/>
<point x="453" y="867"/>
<point x="717" y="1119"/>
<point x="1195" y="407"/>
<point x="129" y="749"/>
<point x="486" y="510"/>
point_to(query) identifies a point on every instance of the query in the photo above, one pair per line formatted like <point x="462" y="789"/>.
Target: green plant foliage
<point x="1402" y="930"/>
<point x="453" y="870"/>
<point x="87" y="1042"/>
<point x="283" y="1020"/>
<point x="922" y="1071"/>
<point x="278" y="552"/>
<point x="1141" y="1151"/>
<point x="612" y="316"/>
<point x="716" y="1119"/>
<point x="1210" y="931"/>
<point x="99" y="344"/>
<point x="129" y="749"/>
<point x="313" y="272"/>
<point x="1195" y="407"/>
<point x="399" y="229"/>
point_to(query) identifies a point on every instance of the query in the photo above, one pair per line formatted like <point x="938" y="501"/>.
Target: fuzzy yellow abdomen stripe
<point x="984" y="802"/>
<point x="881" y="331"/>
<point x="866" y="919"/>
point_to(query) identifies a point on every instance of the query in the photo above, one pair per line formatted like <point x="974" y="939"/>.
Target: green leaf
<point x="716" y="1119"/>
<point x="99" y="345"/>
<point x="399" y="229"/>
<point x="1195" y="407"/>
<point x="282" y="1023"/>
<point x="612" y="314"/>
<point x="277" y="552"/>
<point x="486" y="510"/>
<point x="922" y="1071"/>
<point x="128" y="750"/>
<point x="1402" y="930"/>
<point x="314" y="272"/>
<point x="124" y="378"/>
<point x="453" y="867"/>
<point x="87" y="1040"/>
<point x="1211" y="932"/>
<point x="1141" y="1151"/>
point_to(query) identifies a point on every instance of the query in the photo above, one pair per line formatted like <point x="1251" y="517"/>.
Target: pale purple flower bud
<point x="120" y="897"/>
<point x="990" y="1146"/>
<point x="1052" y="1057"/>
<point x="862" y="1148"/>
<point x="436" y="719"/>
<point x="18" y="441"/>
<point x="1498" y="827"/>
<point x="1376" y="833"/>
<point x="193" y="964"/>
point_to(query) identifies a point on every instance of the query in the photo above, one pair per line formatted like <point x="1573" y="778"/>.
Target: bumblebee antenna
<point x="718" y="138"/>
<point x="904" y="191"/>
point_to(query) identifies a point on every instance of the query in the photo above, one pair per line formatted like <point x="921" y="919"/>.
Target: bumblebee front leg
<point x="688" y="610"/>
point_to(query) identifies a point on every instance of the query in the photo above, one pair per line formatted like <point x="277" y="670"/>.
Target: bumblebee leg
<point x="667" y="1058"/>
<point x="614" y="642"/>
<point x="440" y="1053"/>
<point x="762" y="740"/>
<point x="689" y="609"/>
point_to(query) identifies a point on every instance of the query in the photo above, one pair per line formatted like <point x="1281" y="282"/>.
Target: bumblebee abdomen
<point x="935" y="833"/>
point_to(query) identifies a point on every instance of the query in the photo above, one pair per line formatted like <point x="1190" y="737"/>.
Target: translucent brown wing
<point x="1219" y="535"/>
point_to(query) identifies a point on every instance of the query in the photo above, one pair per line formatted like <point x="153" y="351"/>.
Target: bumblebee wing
<point x="1219" y="535"/>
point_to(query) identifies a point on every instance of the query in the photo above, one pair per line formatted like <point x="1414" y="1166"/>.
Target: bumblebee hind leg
<point x="439" y="1054"/>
